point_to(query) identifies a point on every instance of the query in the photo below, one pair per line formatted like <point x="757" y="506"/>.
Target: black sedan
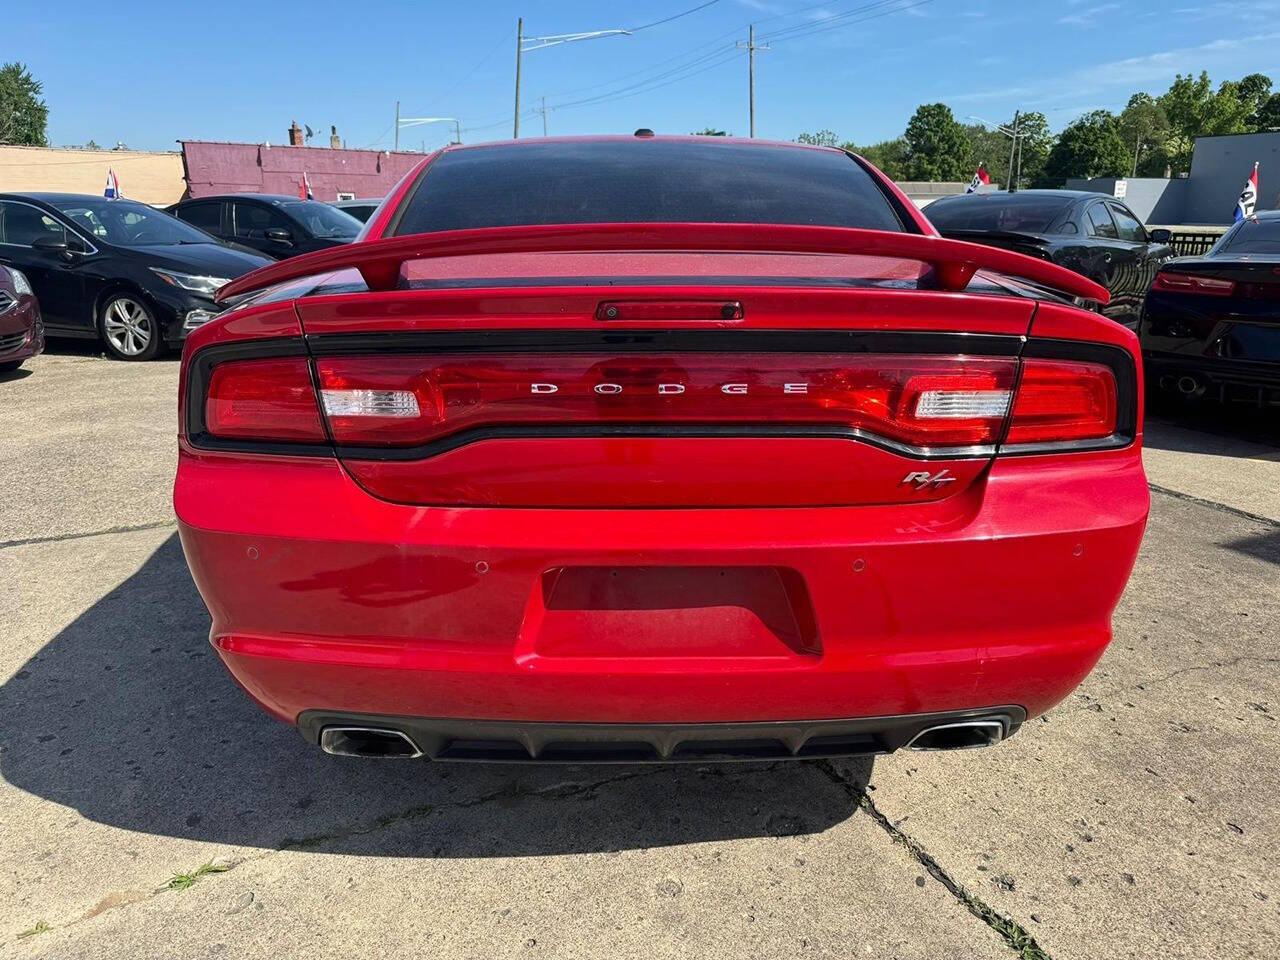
<point x="1090" y="233"/>
<point x="1211" y="324"/>
<point x="275" y="226"/>
<point x="120" y="271"/>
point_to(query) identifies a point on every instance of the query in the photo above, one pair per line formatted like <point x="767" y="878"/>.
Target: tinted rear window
<point x="1254" y="236"/>
<point x="644" y="181"/>
<point x="1018" y="213"/>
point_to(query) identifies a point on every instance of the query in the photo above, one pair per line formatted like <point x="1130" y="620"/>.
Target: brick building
<point x="334" y="172"/>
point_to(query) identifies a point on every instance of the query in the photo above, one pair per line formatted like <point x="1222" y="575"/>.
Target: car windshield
<point x="1254" y="236"/>
<point x="128" y="224"/>
<point x="630" y="181"/>
<point x="322" y="220"/>
<point x="1018" y="213"/>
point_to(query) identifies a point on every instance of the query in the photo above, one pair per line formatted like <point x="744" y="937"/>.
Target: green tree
<point x="1268" y="117"/>
<point x="823" y="138"/>
<point x="1145" y="130"/>
<point x="1090" y="147"/>
<point x="24" y="116"/>
<point x="1195" y="109"/>
<point x="889" y="155"/>
<point x="1037" y="141"/>
<point x="1255" y="91"/>
<point x="937" y="147"/>
<point x="708" y="132"/>
<point x="991" y="149"/>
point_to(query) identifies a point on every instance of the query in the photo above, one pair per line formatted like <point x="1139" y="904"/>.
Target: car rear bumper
<point x="1165" y="369"/>
<point x="519" y="742"/>
<point x="326" y="599"/>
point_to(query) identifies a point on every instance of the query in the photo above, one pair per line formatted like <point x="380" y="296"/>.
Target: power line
<point x="658" y="23"/>
<point x="730" y="54"/>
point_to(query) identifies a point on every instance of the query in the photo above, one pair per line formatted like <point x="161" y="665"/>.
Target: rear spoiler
<point x="954" y="262"/>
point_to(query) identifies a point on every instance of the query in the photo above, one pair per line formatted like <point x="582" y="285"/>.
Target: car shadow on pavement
<point x="1230" y="429"/>
<point x="128" y="716"/>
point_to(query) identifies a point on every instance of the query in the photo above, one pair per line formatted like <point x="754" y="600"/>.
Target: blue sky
<point x="147" y="75"/>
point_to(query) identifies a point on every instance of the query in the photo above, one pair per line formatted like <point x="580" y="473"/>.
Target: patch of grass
<point x="40" y="927"/>
<point x="180" y="881"/>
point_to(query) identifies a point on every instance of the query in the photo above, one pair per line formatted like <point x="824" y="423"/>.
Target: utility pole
<point x="1013" y="145"/>
<point x="457" y="132"/>
<point x="544" y="116"/>
<point x="519" y="50"/>
<point x="397" y="125"/>
<point x="751" y="48"/>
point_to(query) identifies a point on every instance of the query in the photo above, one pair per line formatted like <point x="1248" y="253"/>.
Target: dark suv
<point x="274" y="225"/>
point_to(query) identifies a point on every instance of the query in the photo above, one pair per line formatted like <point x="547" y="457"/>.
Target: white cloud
<point x="1087" y="17"/>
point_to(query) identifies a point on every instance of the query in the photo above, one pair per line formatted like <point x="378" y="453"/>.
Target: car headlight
<point x="197" y="318"/>
<point x="21" y="284"/>
<point x="206" y="286"/>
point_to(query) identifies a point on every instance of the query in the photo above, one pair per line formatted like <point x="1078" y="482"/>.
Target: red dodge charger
<point x="649" y="448"/>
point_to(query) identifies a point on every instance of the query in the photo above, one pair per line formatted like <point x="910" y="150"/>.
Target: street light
<point x="1014" y="136"/>
<point x="525" y="44"/>
<point x="419" y="121"/>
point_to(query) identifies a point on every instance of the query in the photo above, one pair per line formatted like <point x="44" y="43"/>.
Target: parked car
<point x="1211" y="323"/>
<point x="1095" y="235"/>
<point x="585" y="457"/>
<point x="275" y="226"/>
<point x="123" y="272"/>
<point x="362" y="210"/>
<point x="21" y="330"/>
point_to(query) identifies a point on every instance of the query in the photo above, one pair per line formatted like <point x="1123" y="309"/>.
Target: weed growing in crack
<point x="40" y="927"/>
<point x="180" y="881"/>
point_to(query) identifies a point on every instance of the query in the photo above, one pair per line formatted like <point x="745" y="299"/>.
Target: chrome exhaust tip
<point x="1189" y="386"/>
<point x="367" y="742"/>
<point x="960" y="735"/>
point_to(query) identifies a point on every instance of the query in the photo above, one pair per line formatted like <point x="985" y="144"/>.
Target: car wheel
<point x="10" y="365"/>
<point x="129" y="329"/>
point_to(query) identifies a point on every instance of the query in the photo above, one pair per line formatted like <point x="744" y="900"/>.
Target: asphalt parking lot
<point x="1135" y="820"/>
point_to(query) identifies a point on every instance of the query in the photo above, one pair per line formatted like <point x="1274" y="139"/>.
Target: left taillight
<point x="1170" y="281"/>
<point x="269" y="400"/>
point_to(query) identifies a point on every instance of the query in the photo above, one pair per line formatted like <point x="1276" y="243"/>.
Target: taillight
<point x="263" y="400"/>
<point x="1063" y="400"/>
<point x="1190" y="283"/>
<point x="920" y="401"/>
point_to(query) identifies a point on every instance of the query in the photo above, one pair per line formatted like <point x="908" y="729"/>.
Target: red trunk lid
<point x="628" y="386"/>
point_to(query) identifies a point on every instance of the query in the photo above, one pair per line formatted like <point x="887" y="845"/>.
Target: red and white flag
<point x="980" y="179"/>
<point x="304" y="190"/>
<point x="1248" y="196"/>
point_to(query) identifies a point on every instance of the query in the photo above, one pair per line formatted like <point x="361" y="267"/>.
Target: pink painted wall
<point x="214" y="168"/>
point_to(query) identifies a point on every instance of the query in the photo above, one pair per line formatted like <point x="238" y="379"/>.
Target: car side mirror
<point x="279" y="235"/>
<point x="50" y="244"/>
<point x="1160" y="235"/>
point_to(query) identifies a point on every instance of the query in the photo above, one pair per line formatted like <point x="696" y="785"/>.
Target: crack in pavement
<point x="1215" y="665"/>
<point x="1015" y="936"/>
<point x="1213" y="504"/>
<point x="58" y="537"/>
<point x="567" y="788"/>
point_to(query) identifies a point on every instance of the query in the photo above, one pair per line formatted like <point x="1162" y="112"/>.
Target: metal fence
<point x="1188" y="244"/>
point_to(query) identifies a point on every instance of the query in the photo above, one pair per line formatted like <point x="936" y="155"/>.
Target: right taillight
<point x="1171" y="282"/>
<point x="1059" y="400"/>
<point x="263" y="400"/>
